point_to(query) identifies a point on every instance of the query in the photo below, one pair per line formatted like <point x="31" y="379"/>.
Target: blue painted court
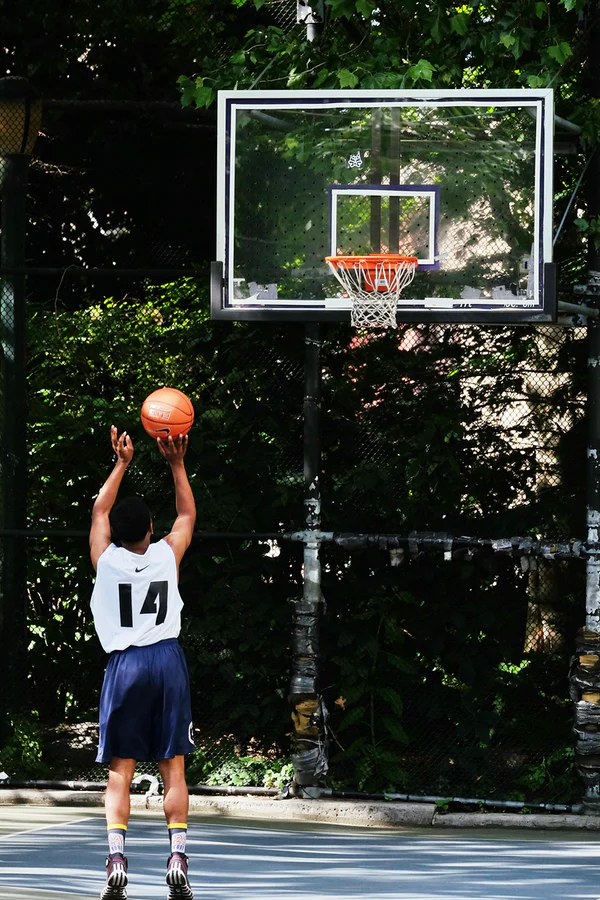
<point x="48" y="852"/>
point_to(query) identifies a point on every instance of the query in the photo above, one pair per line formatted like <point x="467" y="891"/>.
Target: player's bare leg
<point x="117" y="807"/>
<point x="176" y="805"/>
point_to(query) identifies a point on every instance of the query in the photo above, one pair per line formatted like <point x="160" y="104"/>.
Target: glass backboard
<point x="461" y="179"/>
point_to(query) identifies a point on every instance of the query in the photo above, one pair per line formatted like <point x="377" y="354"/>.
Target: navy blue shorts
<point x="145" y="709"/>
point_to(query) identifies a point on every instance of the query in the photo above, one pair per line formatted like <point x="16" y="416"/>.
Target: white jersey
<point x="136" y="599"/>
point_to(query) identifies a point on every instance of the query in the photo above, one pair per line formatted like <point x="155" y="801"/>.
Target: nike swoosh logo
<point x="142" y="569"/>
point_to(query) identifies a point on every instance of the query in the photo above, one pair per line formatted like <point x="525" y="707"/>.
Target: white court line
<point x="13" y="834"/>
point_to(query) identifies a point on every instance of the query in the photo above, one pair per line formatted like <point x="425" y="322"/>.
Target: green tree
<point x="365" y="44"/>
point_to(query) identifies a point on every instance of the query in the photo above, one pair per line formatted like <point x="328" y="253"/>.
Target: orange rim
<point x="371" y="260"/>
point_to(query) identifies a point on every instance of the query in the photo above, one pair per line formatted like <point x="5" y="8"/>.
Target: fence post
<point x="585" y="668"/>
<point x="309" y="715"/>
<point x="20" y="115"/>
<point x="14" y="423"/>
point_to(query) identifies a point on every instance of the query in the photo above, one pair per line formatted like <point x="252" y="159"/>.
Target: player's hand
<point x="122" y="445"/>
<point x="173" y="449"/>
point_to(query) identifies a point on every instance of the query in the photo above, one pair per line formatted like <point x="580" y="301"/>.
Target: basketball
<point x="167" y="412"/>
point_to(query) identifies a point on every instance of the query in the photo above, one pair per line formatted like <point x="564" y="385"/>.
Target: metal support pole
<point x="375" y="174"/>
<point x="592" y="606"/>
<point x="585" y="668"/>
<point x="394" y="202"/>
<point x="309" y="715"/>
<point x="311" y="13"/>
<point x="13" y="574"/>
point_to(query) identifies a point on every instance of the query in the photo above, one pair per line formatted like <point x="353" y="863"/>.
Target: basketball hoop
<point x="374" y="282"/>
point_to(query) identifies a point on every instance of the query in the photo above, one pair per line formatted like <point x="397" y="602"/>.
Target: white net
<point x="374" y="285"/>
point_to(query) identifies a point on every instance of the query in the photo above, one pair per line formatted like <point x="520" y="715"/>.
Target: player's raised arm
<point x="100" y="528"/>
<point x="180" y="536"/>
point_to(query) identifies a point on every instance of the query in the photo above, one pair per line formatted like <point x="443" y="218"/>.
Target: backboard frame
<point x="224" y="306"/>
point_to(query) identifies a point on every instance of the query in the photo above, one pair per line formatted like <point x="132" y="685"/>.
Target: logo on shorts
<point x="191" y="733"/>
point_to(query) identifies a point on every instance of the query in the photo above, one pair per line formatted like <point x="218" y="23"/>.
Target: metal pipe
<point x="49" y="785"/>
<point x="92" y="272"/>
<point x="311" y="13"/>
<point x="310" y="756"/>
<point x="416" y="542"/>
<point x="568" y="126"/>
<point x="394" y="202"/>
<point x="462" y="801"/>
<point x="375" y="177"/>
<point x="234" y="790"/>
<point x="251" y="790"/>
<point x="591" y="312"/>
<point x="571" y="199"/>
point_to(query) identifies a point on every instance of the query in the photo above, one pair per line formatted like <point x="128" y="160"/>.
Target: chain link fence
<point x="441" y="675"/>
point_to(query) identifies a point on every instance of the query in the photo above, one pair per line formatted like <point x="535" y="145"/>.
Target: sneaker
<point x="116" y="878"/>
<point x="177" y="877"/>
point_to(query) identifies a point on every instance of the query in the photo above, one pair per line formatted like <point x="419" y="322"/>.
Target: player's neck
<point x="139" y="547"/>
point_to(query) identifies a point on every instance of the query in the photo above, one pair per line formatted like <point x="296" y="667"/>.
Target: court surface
<point x="47" y="852"/>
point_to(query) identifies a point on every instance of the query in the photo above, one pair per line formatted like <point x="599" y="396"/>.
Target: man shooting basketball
<point x="145" y="710"/>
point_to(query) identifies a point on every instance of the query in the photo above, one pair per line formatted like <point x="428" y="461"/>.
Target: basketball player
<point x="145" y="711"/>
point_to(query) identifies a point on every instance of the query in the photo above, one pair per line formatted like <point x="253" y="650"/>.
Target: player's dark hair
<point x="129" y="521"/>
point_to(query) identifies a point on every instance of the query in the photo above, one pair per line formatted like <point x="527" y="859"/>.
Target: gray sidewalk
<point x="326" y="811"/>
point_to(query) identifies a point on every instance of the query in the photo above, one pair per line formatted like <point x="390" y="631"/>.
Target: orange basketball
<point x="167" y="412"/>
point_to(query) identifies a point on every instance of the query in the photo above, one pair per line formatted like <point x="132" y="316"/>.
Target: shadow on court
<point x="47" y="853"/>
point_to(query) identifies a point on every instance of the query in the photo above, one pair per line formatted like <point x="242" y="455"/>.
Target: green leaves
<point x="560" y="52"/>
<point x="366" y="7"/>
<point x="245" y="771"/>
<point x="341" y="8"/>
<point x="536" y="81"/>
<point x="346" y="78"/>
<point x="352" y="717"/>
<point x="21" y="755"/>
<point x="467" y="45"/>
<point x="348" y="8"/>
<point x="590" y="228"/>
<point x="195" y="91"/>
<point x="460" y="23"/>
<point x="187" y="88"/>
<point x="517" y="40"/>
<point x="422" y="71"/>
